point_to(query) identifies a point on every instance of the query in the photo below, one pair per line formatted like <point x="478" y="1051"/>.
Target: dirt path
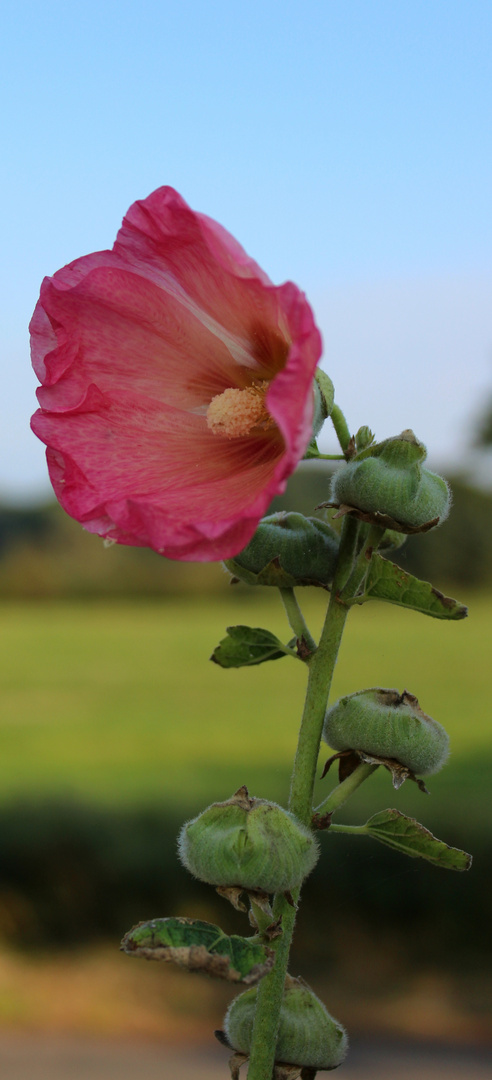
<point x="31" y="1057"/>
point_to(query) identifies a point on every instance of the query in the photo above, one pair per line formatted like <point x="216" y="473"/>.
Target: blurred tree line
<point x="43" y="553"/>
<point x="73" y="872"/>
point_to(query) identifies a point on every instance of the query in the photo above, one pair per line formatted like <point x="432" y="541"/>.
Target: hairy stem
<point x="343" y="791"/>
<point x="270" y="995"/>
<point x="321" y="668"/>
<point x="341" y="428"/>
<point x="296" y="618"/>
<point x="361" y="567"/>
<point x="349" y="830"/>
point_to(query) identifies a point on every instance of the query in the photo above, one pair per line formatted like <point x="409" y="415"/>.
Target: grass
<point x="118" y="702"/>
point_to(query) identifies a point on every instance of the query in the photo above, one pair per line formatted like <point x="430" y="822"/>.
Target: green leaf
<point x="199" y="946"/>
<point x="405" y="834"/>
<point x="247" y="645"/>
<point x="387" y="581"/>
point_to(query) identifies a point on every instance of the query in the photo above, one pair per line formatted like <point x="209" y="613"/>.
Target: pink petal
<point x="186" y="252"/>
<point x="131" y="345"/>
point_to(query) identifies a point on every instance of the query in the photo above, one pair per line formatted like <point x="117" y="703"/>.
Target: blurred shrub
<point x="43" y="553"/>
<point x="72" y="873"/>
<point x="457" y="553"/>
<point x="460" y="552"/>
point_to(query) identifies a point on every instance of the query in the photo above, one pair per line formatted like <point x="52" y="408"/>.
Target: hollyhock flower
<point x="177" y="384"/>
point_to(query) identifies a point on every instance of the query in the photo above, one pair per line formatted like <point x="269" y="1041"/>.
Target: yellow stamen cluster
<point x="234" y="413"/>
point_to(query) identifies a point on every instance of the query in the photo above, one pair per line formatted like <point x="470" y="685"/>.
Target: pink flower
<point x="176" y="393"/>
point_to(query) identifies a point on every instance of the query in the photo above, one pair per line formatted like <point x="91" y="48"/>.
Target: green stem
<point x="270" y="994"/>
<point x="371" y="543"/>
<point x="321" y="667"/>
<point x="353" y="830"/>
<point x="343" y="791"/>
<point x="341" y="428"/>
<point x="262" y="919"/>
<point x="288" y="651"/>
<point x="296" y="618"/>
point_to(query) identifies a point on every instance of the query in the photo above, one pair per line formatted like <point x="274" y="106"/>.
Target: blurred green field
<point x="116" y="726"/>
<point x="118" y="702"/>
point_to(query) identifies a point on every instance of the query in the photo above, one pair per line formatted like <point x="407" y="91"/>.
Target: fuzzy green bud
<point x="324" y="395"/>
<point x="288" y="549"/>
<point x="387" y="724"/>
<point x="363" y="438"/>
<point x="387" y="484"/>
<point x="308" y="1036"/>
<point x="249" y="843"/>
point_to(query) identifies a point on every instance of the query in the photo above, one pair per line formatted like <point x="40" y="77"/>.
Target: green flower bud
<point x="386" y="484"/>
<point x="387" y="724"/>
<point x="324" y="395"/>
<point x="288" y="549"/>
<point x="363" y="438"/>
<point x="248" y="843"/>
<point x="308" y="1036"/>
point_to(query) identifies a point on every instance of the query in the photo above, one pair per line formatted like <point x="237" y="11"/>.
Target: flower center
<point x="235" y="413"/>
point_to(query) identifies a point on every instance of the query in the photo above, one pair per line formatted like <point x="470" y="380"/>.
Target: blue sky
<point x="346" y="144"/>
